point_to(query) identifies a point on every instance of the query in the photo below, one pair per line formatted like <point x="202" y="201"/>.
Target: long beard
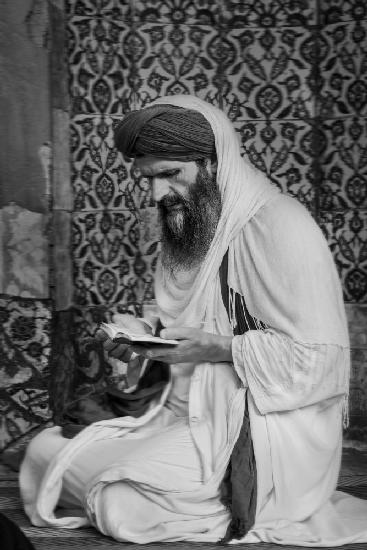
<point x="188" y="229"/>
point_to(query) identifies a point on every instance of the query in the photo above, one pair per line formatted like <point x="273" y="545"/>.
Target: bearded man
<point x="258" y="380"/>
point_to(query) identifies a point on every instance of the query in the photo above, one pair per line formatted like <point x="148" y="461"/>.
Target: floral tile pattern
<point x="27" y="323"/>
<point x="176" y="59"/>
<point x="284" y="151"/>
<point x="118" y="9"/>
<point x="90" y="369"/>
<point x="179" y="12"/>
<point x="269" y="73"/>
<point x="270" y="14"/>
<point x="335" y="11"/>
<point x="101" y="179"/>
<point x="109" y="265"/>
<point x="343" y="69"/>
<point x="100" y="64"/>
<point x="25" y="351"/>
<point x="344" y="164"/>
<point x="346" y="232"/>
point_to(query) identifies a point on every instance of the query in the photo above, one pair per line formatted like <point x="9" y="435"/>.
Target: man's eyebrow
<point x="162" y="172"/>
<point x="169" y="170"/>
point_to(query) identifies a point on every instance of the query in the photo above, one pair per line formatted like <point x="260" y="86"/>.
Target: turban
<point x="165" y="131"/>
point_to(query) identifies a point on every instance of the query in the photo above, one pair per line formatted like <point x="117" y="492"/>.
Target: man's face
<point x="189" y="205"/>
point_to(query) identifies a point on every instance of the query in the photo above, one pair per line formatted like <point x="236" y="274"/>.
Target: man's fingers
<point x="118" y="351"/>
<point x="154" y="352"/>
<point x="101" y="335"/>
<point x="180" y="333"/>
<point x="122" y="352"/>
<point x="146" y="351"/>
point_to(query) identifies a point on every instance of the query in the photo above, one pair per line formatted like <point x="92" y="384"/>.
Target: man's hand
<point x="122" y="352"/>
<point x="195" y="346"/>
<point x="115" y="352"/>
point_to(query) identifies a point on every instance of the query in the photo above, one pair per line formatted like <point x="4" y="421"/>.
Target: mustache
<point x="172" y="200"/>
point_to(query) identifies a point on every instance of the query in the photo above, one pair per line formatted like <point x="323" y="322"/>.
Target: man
<point x="238" y="257"/>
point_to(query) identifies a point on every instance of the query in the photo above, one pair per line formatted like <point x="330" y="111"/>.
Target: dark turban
<point x="165" y="131"/>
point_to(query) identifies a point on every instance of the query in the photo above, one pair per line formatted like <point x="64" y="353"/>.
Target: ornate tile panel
<point x="269" y="14"/>
<point x="334" y="11"/>
<point x="343" y="70"/>
<point x="24" y="370"/>
<point x="346" y="232"/>
<point x="100" y="65"/>
<point x="104" y="247"/>
<point x="344" y="164"/>
<point x="26" y="323"/>
<point x="109" y="266"/>
<point x="117" y="9"/>
<point x="176" y="59"/>
<point x="179" y="12"/>
<point x="91" y="369"/>
<point x="284" y="152"/>
<point x="269" y="73"/>
<point x="101" y="177"/>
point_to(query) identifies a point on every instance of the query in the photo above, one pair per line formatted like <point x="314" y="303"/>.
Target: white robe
<point x="296" y="373"/>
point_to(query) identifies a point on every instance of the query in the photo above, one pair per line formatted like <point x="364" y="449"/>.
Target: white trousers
<point x="158" y="494"/>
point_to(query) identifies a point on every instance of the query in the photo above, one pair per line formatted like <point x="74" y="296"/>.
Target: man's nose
<point x="161" y="188"/>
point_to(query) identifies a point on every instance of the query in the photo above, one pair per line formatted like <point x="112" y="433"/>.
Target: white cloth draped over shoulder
<point x="296" y="372"/>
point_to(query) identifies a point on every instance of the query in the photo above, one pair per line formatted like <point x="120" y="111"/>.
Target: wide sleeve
<point x="283" y="374"/>
<point x="290" y="283"/>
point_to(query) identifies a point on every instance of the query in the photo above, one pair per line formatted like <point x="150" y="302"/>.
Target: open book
<point x="134" y="330"/>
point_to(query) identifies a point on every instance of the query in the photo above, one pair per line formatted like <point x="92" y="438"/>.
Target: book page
<point x="124" y="334"/>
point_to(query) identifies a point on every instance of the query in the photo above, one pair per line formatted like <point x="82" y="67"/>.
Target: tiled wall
<point x="290" y="77"/>
<point x="24" y="358"/>
<point x="342" y="110"/>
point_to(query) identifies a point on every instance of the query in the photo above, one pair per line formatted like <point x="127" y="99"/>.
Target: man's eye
<point x="172" y="173"/>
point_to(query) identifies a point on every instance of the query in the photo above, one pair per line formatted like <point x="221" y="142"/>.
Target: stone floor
<point x="353" y="479"/>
